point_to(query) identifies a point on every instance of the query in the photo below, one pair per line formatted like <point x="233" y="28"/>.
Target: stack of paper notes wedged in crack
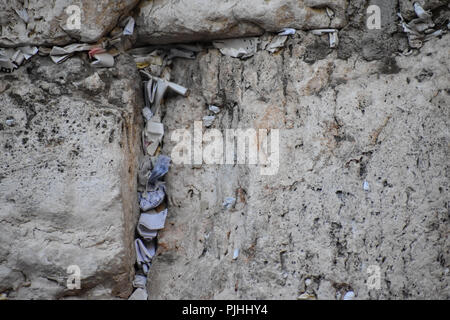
<point x="11" y="59"/>
<point x="101" y="53"/>
<point x="155" y="58"/>
<point x="420" y="29"/>
<point x="154" y="91"/>
<point x="153" y="215"/>
<point x="332" y="35"/>
<point x="98" y="53"/>
<point x="244" y="48"/>
<point x="154" y="63"/>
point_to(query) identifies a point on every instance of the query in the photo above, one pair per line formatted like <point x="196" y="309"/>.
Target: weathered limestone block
<point x="68" y="178"/>
<point x="362" y="180"/>
<point x="166" y="21"/>
<point x="47" y="23"/>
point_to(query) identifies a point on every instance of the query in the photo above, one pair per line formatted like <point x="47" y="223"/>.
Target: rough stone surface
<point x="375" y="44"/>
<point x="47" y="23"/>
<point x="166" y="21"/>
<point x="312" y="229"/>
<point x="139" y="294"/>
<point x="68" y="178"/>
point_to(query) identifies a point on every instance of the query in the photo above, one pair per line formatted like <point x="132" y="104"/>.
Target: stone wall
<point x="362" y="179"/>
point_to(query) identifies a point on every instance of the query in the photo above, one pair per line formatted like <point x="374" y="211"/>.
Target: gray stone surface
<point x="341" y="123"/>
<point x="139" y="294"/>
<point x="363" y="173"/>
<point x="375" y="44"/>
<point x="68" y="178"/>
<point x="47" y="23"/>
<point x="166" y="21"/>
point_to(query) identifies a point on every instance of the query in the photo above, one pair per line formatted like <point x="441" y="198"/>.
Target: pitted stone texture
<point x="312" y="228"/>
<point x="68" y="178"/>
<point x="163" y="21"/>
<point x="47" y="23"/>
